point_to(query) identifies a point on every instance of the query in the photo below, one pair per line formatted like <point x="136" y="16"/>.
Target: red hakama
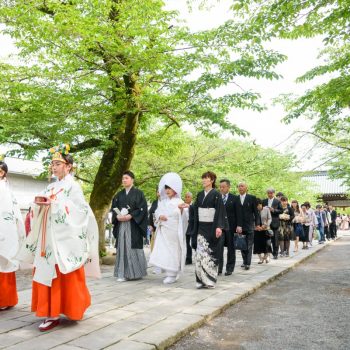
<point x="68" y="295"/>
<point x="8" y="290"/>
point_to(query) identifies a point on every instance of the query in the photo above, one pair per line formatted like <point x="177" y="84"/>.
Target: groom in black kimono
<point x="129" y="229"/>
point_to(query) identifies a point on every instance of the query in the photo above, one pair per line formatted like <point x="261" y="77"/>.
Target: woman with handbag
<point x="306" y="219"/>
<point x="285" y="233"/>
<point x="297" y="225"/>
<point x="262" y="233"/>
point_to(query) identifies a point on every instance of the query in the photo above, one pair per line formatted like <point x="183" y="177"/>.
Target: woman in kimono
<point x="11" y="235"/>
<point x="169" y="250"/>
<point x="208" y="222"/>
<point x="130" y="227"/>
<point x="64" y="238"/>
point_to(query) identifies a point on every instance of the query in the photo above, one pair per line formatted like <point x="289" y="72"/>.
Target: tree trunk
<point x="116" y="159"/>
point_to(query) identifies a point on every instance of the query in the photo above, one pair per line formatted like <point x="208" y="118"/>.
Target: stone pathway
<point x="139" y="315"/>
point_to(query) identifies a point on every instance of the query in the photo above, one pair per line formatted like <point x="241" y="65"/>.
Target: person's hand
<point x="123" y="218"/>
<point x="257" y="228"/>
<point x="163" y="218"/>
<point x="239" y="230"/>
<point x="183" y="206"/>
<point x="272" y="209"/>
<point x="263" y="227"/>
<point x="218" y="232"/>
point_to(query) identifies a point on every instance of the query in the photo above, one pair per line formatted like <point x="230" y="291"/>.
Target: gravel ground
<point x="308" y="308"/>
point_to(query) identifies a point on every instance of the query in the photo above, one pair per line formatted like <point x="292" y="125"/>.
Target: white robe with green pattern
<point x="71" y="235"/>
<point x="11" y="229"/>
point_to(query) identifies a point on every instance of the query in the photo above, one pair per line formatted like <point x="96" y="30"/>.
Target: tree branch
<point x="86" y="145"/>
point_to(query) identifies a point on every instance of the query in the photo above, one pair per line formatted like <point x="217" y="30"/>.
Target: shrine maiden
<point x="11" y="235"/>
<point x="63" y="240"/>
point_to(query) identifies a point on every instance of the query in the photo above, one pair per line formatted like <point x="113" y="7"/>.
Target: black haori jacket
<point x="136" y="203"/>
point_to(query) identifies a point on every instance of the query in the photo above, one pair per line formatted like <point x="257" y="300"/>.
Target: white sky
<point x="265" y="127"/>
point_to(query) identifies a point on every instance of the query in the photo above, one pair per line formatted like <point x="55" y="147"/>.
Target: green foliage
<point x="328" y="102"/>
<point x="191" y="156"/>
<point x="77" y="59"/>
<point x="175" y="150"/>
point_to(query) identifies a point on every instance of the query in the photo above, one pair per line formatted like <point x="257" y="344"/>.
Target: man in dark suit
<point x="151" y="224"/>
<point x="188" y="225"/>
<point x="276" y="209"/>
<point x="332" y="225"/>
<point x="227" y="237"/>
<point x="246" y="216"/>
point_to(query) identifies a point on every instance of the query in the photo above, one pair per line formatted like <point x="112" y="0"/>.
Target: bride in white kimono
<point x="11" y="236"/>
<point x="169" y="250"/>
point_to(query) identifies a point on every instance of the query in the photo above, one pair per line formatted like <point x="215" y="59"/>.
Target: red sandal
<point x="48" y="324"/>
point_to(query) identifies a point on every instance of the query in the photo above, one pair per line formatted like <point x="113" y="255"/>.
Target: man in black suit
<point x="276" y="209"/>
<point x="188" y="226"/>
<point x="332" y="225"/>
<point x="151" y="224"/>
<point x="246" y="216"/>
<point x="227" y="237"/>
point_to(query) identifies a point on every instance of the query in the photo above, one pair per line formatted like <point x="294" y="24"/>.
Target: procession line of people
<point x="62" y="239"/>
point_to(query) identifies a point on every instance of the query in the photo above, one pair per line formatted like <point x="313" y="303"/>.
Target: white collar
<point x="205" y="193"/>
<point x="128" y="190"/>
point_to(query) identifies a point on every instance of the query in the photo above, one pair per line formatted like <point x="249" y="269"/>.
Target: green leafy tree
<point x="95" y="73"/>
<point x="328" y="102"/>
<point x="190" y="156"/>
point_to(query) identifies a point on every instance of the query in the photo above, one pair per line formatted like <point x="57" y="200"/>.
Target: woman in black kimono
<point x="130" y="221"/>
<point x="209" y="219"/>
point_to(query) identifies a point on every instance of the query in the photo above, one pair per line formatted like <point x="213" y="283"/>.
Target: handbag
<point x="241" y="242"/>
<point x="269" y="233"/>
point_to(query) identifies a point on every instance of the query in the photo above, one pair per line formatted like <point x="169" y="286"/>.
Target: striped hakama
<point x="130" y="263"/>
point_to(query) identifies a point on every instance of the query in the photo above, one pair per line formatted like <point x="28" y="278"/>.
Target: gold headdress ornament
<point x="59" y="151"/>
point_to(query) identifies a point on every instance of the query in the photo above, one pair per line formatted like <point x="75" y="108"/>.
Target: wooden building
<point x="332" y="191"/>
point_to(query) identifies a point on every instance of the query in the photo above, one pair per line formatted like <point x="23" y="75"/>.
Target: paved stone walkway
<point x="140" y="315"/>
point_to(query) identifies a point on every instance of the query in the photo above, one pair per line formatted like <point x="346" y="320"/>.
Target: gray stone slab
<point x="166" y="332"/>
<point x="108" y="335"/>
<point x="8" y="325"/>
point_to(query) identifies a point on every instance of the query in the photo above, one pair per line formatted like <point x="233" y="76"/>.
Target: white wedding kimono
<point x="169" y="250"/>
<point x="12" y="230"/>
<point x="71" y="238"/>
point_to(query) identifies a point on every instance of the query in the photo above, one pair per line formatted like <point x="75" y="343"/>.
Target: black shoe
<point x="275" y="257"/>
<point x="188" y="262"/>
<point x="242" y="265"/>
<point x="228" y="273"/>
<point x="247" y="267"/>
<point x="220" y="273"/>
